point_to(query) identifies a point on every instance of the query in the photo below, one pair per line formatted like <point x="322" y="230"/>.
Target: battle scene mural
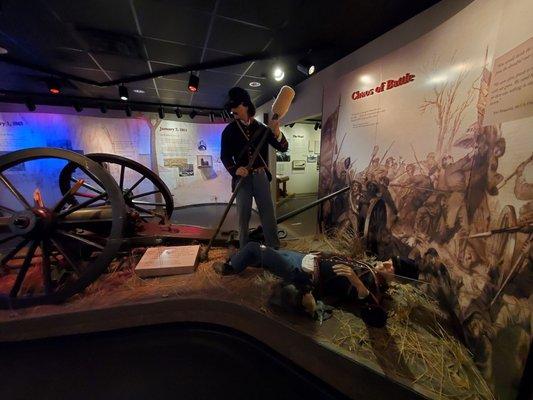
<point x="431" y="180"/>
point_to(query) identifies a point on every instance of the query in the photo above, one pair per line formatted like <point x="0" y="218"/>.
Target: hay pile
<point x="415" y="346"/>
<point x="424" y="354"/>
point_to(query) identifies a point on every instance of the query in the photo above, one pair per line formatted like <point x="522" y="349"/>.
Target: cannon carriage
<point x="66" y="233"/>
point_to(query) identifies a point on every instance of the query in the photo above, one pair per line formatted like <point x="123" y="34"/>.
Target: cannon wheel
<point x="70" y="258"/>
<point x="503" y="244"/>
<point x="161" y="209"/>
<point x="375" y="223"/>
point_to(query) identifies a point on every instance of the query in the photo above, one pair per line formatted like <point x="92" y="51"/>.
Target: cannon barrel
<point x="256" y="231"/>
<point x="300" y="210"/>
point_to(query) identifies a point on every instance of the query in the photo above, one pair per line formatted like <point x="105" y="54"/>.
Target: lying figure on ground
<point x="309" y="278"/>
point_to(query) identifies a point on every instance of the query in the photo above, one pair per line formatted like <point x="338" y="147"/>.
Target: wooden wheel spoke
<point x="46" y="270"/>
<point x="13" y="252"/>
<point x="135" y="185"/>
<point x="22" y="273"/>
<point x="152" y="213"/>
<point x="73" y="190"/>
<point x="15" y="192"/>
<point x="82" y="205"/>
<point x="66" y="256"/>
<point x="7" y="210"/>
<point x="147" y="203"/>
<point x="121" y="179"/>
<point x="144" y="194"/>
<point x="86" y="185"/>
<point x="86" y="195"/>
<point x="7" y="239"/>
<point x="80" y="239"/>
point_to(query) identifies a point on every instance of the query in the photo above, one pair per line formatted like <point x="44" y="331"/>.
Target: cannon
<point x="87" y="210"/>
<point x="67" y="235"/>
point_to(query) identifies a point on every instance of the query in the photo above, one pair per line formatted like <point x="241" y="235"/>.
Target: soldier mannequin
<point x="235" y="137"/>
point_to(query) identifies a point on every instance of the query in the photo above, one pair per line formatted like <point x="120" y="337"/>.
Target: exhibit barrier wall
<point x="186" y="155"/>
<point x="301" y="162"/>
<point x="440" y="131"/>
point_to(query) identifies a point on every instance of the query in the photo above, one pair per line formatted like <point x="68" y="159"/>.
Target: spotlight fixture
<point x="140" y="91"/>
<point x="316" y="126"/>
<point x="254" y="84"/>
<point x="178" y="112"/>
<point x="193" y="114"/>
<point x="161" y="112"/>
<point x="103" y="108"/>
<point x="128" y="110"/>
<point x="278" y="74"/>
<point x="78" y="107"/>
<point x="123" y="93"/>
<point x="305" y="67"/>
<point x="194" y="82"/>
<point x="212" y="116"/>
<point x="53" y="86"/>
<point x="30" y="105"/>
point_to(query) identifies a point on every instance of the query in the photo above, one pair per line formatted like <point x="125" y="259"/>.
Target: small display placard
<point x="172" y="260"/>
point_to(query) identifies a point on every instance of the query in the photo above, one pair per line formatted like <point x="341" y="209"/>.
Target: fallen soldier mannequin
<point x="309" y="279"/>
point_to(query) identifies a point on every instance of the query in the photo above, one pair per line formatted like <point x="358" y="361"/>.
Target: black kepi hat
<point x="237" y="96"/>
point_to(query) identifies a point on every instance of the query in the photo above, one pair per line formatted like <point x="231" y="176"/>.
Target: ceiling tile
<point x="130" y="66"/>
<point x="215" y="80"/>
<point x="170" y="84"/>
<point x="172" y="53"/>
<point x="96" y="14"/>
<point x="163" y="67"/>
<point x="270" y="14"/>
<point x="237" y="38"/>
<point x="174" y="97"/>
<point x="185" y="6"/>
<point x="214" y="55"/>
<point x="209" y="100"/>
<point x="148" y="93"/>
<point x="65" y="59"/>
<point x="89" y="73"/>
<point x="166" y="19"/>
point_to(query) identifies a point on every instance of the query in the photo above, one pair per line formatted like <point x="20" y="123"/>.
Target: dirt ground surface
<point x="415" y="348"/>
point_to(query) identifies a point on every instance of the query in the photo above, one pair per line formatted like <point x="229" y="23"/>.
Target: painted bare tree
<point x="449" y="100"/>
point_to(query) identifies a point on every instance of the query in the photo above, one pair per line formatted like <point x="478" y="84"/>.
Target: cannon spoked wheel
<point x="143" y="190"/>
<point x="503" y="244"/>
<point x="375" y="223"/>
<point x="48" y="251"/>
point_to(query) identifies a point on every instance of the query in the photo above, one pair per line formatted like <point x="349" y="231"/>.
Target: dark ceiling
<point x="106" y="40"/>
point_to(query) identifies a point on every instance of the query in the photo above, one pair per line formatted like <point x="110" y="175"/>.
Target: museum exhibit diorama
<point x="289" y="199"/>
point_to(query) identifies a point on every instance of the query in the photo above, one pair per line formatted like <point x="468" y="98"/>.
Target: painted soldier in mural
<point x="430" y="163"/>
<point x="376" y="170"/>
<point x="392" y="211"/>
<point x="328" y="150"/>
<point x="417" y="190"/>
<point x="524" y="191"/>
<point x="355" y="198"/>
<point x="429" y="220"/>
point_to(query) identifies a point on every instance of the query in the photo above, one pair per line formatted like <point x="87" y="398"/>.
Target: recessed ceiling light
<point x="139" y="91"/>
<point x="278" y="74"/>
<point x="3" y="50"/>
<point x="255" y="84"/>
